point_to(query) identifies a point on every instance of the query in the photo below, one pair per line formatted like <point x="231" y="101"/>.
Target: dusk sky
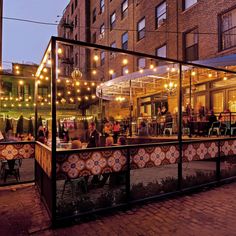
<point x="26" y="41"/>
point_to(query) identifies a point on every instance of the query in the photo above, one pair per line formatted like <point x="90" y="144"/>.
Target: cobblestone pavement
<point x="212" y="212"/>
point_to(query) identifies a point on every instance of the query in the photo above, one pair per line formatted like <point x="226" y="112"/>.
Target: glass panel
<point x="232" y="100"/>
<point x="218" y="102"/>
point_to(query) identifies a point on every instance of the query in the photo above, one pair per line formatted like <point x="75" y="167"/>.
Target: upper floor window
<point x="76" y="3"/>
<point x="102" y="6"/>
<point x="112" y="20"/>
<point x="188" y="3"/>
<point x="141" y="29"/>
<point x="160" y="14"/>
<point x="113" y="45"/>
<point x="102" y="29"/>
<point x="161" y="51"/>
<point x="76" y="21"/>
<point x="72" y="8"/>
<point x="228" y="29"/>
<point x="124" y="39"/>
<point x="141" y="63"/>
<point x="191" y="45"/>
<point x="124" y="9"/>
<point x="102" y="56"/>
<point x="94" y="15"/>
<point x="94" y="37"/>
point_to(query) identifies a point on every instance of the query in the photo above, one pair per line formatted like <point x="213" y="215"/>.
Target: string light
<point x="45" y="70"/>
<point x="225" y="78"/>
<point x="59" y="51"/>
<point x="94" y="72"/>
<point x="111" y="72"/>
<point x="193" y="73"/>
<point x="125" y="61"/>
<point x="21" y="82"/>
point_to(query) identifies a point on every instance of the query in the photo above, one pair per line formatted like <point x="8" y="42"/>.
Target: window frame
<point x="184" y="44"/>
<point x="94" y="15"/>
<point x="102" y="58"/>
<point x="102" y="6"/>
<point x="184" y="5"/>
<point x="163" y="45"/>
<point x="102" y="29"/>
<point x="140" y="37"/>
<point x="124" y="12"/>
<point x="220" y="32"/>
<point x="125" y="44"/>
<point x="156" y="14"/>
<point x="112" y="20"/>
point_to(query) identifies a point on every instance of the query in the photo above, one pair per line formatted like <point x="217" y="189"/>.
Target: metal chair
<point x="11" y="167"/>
<point x="215" y="127"/>
<point x="168" y="127"/>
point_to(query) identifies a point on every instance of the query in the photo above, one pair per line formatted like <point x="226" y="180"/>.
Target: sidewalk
<point x="207" y="213"/>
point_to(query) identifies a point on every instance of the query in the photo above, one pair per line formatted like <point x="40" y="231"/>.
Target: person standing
<point x="93" y="137"/>
<point x="116" y="131"/>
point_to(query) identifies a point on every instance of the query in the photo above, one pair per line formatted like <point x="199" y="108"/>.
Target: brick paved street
<point x="206" y="213"/>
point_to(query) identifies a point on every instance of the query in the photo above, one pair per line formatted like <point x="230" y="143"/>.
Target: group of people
<point x="9" y="136"/>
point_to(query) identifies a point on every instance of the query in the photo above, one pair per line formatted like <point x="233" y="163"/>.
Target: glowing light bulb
<point x="111" y="72"/>
<point x="94" y="72"/>
<point x="125" y="61"/>
<point x="59" y="51"/>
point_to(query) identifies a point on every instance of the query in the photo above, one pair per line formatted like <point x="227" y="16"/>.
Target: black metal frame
<point x="180" y="142"/>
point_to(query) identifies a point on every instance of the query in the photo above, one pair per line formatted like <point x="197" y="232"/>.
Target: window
<point x="218" y="102"/>
<point x="94" y="37"/>
<point x="94" y="15"/>
<point x="112" y="20"/>
<point x="76" y="37"/>
<point x="76" y="21"/>
<point x="102" y="6"/>
<point x="141" y="63"/>
<point x="72" y="9"/>
<point x="188" y="3"/>
<point x="76" y="59"/>
<point x="102" y="29"/>
<point x="113" y="76"/>
<point x="113" y="45"/>
<point x="76" y="3"/>
<point x="160" y="14"/>
<point x="191" y="45"/>
<point x="124" y="39"/>
<point x="141" y="29"/>
<point x="232" y="100"/>
<point x="43" y="91"/>
<point x="228" y="29"/>
<point x="125" y="70"/>
<point x="102" y="58"/>
<point x="161" y="51"/>
<point x="124" y="9"/>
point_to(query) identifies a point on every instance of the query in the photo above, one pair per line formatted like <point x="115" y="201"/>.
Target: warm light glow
<point x="78" y="91"/>
<point x="85" y="83"/>
<point x="58" y="71"/>
<point x="58" y="81"/>
<point x="173" y="69"/>
<point x="94" y="72"/>
<point x="126" y="71"/>
<point x="17" y="72"/>
<point x="49" y="62"/>
<point x="45" y="70"/>
<point x="27" y="104"/>
<point x="47" y="78"/>
<point x="59" y="94"/>
<point x="93" y="84"/>
<point x="86" y="97"/>
<point x="21" y="82"/>
<point x="225" y="78"/>
<point x="41" y="76"/>
<point x="120" y="99"/>
<point x="19" y="105"/>
<point x="88" y="89"/>
<point x="154" y="69"/>
<point x="151" y="66"/>
<point x="93" y="96"/>
<point x="111" y="72"/>
<point x="95" y="57"/>
<point x="125" y="61"/>
<point x="17" y="67"/>
<point x="77" y="83"/>
<point x="193" y="73"/>
<point x="67" y="81"/>
<point x="209" y="75"/>
<point x="141" y="70"/>
<point x="12" y="105"/>
<point x="69" y="92"/>
<point x="79" y="99"/>
<point x="59" y="51"/>
<point x="5" y="105"/>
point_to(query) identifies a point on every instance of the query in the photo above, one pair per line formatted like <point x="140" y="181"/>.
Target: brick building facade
<point x="187" y="30"/>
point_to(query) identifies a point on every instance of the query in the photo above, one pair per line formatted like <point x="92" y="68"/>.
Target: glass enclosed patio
<point x="176" y="132"/>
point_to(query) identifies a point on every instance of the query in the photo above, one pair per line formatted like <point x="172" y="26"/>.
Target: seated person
<point x="76" y="144"/>
<point x="143" y="129"/>
<point x="211" y="118"/>
<point x="109" y="141"/>
<point x="121" y="140"/>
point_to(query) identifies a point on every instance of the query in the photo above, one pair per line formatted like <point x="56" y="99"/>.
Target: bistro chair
<point x="11" y="167"/>
<point x="168" y="130"/>
<point x="215" y="127"/>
